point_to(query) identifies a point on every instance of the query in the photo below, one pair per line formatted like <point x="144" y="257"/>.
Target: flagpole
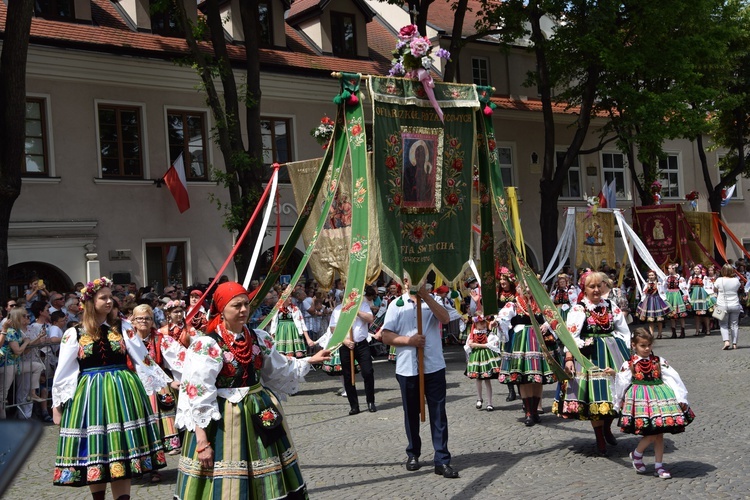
<point x="420" y="359"/>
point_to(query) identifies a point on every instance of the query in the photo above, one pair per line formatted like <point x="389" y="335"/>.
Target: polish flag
<point x="177" y="183"/>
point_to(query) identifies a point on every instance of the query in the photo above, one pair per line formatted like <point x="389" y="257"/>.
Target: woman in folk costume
<point x="162" y="403"/>
<point x="652" y="307"/>
<point x="237" y="444"/>
<point x="676" y="289"/>
<point x="483" y="357"/>
<point x="507" y="293"/>
<point x="199" y="320"/>
<point x="289" y="331"/>
<point x="564" y="295"/>
<point x="700" y="300"/>
<point x="176" y="327"/>
<point x="601" y="333"/>
<point x="108" y="433"/>
<point x="524" y="363"/>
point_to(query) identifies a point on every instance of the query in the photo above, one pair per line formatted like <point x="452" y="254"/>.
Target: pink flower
<point x="356" y="247"/>
<point x="256" y="350"/>
<point x="408" y="31"/>
<point x="191" y="391"/>
<point x="228" y="357"/>
<point x="214" y="351"/>
<point x="420" y="46"/>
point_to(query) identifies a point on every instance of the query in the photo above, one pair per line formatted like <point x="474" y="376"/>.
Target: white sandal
<point x="662" y="473"/>
<point x="478" y="406"/>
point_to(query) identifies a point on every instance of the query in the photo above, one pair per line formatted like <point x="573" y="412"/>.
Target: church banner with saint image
<point x="595" y="239"/>
<point x="701" y="224"/>
<point x="423" y="175"/>
<point x="658" y="229"/>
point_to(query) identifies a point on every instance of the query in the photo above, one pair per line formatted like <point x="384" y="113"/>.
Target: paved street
<point x="363" y="456"/>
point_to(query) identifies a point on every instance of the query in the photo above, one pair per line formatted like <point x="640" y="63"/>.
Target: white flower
<point x="426" y="62"/>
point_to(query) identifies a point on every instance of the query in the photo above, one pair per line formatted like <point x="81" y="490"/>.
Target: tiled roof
<point x="110" y="33"/>
<point x="509" y="103"/>
<point x="441" y="16"/>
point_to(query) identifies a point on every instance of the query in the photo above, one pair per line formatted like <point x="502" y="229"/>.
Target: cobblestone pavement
<point x="363" y="456"/>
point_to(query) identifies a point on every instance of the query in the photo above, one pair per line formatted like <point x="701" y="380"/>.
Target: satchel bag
<point x="719" y="313"/>
<point x="268" y="426"/>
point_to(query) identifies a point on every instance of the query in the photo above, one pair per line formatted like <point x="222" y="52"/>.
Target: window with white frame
<point x="723" y="168"/>
<point x="166" y="263"/>
<point x="277" y="144"/>
<point x="121" y="141"/>
<point x="480" y="71"/>
<point x="37" y="154"/>
<point x="572" y="183"/>
<point x="615" y="166"/>
<point x="505" y="162"/>
<point x="669" y="176"/>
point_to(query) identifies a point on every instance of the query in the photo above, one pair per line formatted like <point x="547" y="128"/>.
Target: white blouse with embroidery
<point x="577" y="317"/>
<point x="299" y="321"/>
<point x="197" y="404"/>
<point x="151" y="375"/>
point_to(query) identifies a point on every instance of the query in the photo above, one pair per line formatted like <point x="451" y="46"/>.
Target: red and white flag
<point x="177" y="184"/>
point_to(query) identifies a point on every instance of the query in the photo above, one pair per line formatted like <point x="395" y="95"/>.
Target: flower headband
<point x="479" y="318"/>
<point x="175" y="303"/>
<point x="504" y="271"/>
<point x="89" y="291"/>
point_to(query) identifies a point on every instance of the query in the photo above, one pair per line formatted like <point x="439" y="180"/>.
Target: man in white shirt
<point x="400" y="330"/>
<point x="360" y="349"/>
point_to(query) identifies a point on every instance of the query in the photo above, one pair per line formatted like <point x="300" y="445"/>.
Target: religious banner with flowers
<point x="423" y="169"/>
<point x="657" y="226"/>
<point x="331" y="255"/>
<point x="595" y="239"/>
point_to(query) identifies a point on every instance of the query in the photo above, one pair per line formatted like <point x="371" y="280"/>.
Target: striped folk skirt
<point x="523" y="361"/>
<point x="288" y="340"/>
<point x="588" y="395"/>
<point x="107" y="431"/>
<point x="701" y="301"/>
<point x="483" y="363"/>
<point x="653" y="308"/>
<point x="651" y="407"/>
<point x="167" y="430"/>
<point x="679" y="308"/>
<point x="243" y="467"/>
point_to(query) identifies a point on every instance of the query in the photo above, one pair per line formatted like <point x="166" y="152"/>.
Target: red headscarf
<point x="223" y="294"/>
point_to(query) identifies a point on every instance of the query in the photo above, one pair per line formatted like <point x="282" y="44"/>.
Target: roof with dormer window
<point x="302" y="10"/>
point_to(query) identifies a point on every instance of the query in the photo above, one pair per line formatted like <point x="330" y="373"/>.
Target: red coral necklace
<point x="242" y="349"/>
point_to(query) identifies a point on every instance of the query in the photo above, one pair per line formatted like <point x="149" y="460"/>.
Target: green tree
<point x="243" y="176"/>
<point x="15" y="48"/>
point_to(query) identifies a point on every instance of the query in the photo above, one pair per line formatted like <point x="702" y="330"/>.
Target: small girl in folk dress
<point x="289" y="331"/>
<point x="700" y="300"/>
<point x="483" y="352"/>
<point x="652" y="308"/>
<point x="653" y="401"/>
<point x="676" y="297"/>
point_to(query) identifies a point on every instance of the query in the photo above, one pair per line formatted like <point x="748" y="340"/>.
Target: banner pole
<point x="351" y="355"/>
<point x="420" y="358"/>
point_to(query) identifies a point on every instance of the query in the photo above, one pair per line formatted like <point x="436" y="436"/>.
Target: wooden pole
<point x="420" y="358"/>
<point x="351" y="355"/>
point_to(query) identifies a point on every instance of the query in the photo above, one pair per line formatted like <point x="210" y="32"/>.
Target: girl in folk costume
<point x="162" y="403"/>
<point x="524" y="363"/>
<point x="700" y="300"/>
<point x="200" y="320"/>
<point x="108" y="433"/>
<point x="676" y="296"/>
<point x="601" y="333"/>
<point x="482" y="350"/>
<point x="652" y="308"/>
<point x="237" y="443"/>
<point x="564" y="295"/>
<point x="653" y="401"/>
<point x="709" y="283"/>
<point x="507" y="293"/>
<point x="289" y="331"/>
<point x="176" y="327"/>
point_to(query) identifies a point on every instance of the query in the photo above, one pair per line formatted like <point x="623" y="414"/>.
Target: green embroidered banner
<point x="422" y="174"/>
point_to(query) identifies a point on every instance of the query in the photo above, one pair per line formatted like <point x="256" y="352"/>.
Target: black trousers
<point x="435" y="393"/>
<point x="363" y="357"/>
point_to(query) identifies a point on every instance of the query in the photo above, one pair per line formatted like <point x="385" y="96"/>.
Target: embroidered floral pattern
<point x="394" y="166"/>
<point x="351" y="300"/>
<point x="268" y="417"/>
<point x="358" y="197"/>
<point x="418" y="230"/>
<point x="194" y="390"/>
<point x="453" y="158"/>
<point x="116" y="470"/>
<point x="66" y="475"/>
<point x="356" y="133"/>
